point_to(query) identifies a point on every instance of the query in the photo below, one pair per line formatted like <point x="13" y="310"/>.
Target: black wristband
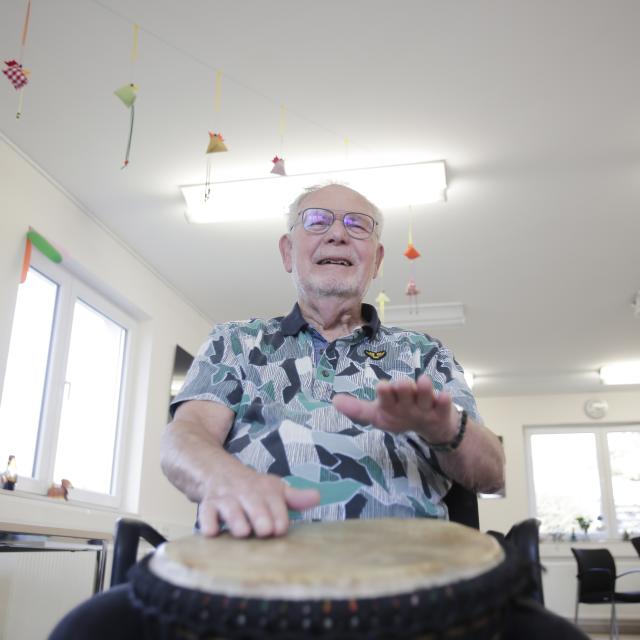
<point x="447" y="447"/>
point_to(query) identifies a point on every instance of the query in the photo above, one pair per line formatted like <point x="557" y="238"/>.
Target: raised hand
<point x="405" y="405"/>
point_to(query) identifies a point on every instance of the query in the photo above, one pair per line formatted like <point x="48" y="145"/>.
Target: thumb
<point x="299" y="499"/>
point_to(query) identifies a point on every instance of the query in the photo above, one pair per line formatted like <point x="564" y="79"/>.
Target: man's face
<point x="332" y="264"/>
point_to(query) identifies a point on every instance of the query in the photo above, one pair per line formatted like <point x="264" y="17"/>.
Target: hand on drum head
<point x="405" y="405"/>
<point x="252" y="502"/>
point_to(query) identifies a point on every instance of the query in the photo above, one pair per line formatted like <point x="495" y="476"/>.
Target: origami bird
<point x="278" y="166"/>
<point x="16" y="74"/>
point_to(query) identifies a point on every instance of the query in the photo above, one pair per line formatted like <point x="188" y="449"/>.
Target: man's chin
<point x="331" y="289"/>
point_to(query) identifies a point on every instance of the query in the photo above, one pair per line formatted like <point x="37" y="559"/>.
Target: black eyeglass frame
<point x="346" y="212"/>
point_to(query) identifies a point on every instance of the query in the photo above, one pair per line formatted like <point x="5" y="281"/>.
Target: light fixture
<point x="269" y="197"/>
<point x="621" y="373"/>
<point x="470" y="378"/>
<point x="424" y="316"/>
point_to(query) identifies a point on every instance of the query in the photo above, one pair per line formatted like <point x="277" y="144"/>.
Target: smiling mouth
<point x="339" y="262"/>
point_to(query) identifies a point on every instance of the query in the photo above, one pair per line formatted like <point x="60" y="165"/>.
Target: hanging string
<point x="207" y="65"/>
<point x="217" y="92"/>
<point x="23" y="42"/>
<point x="283" y="125"/>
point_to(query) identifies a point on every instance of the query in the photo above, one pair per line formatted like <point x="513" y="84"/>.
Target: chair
<point x="125" y="547"/>
<point x="597" y="580"/>
<point x="636" y="544"/>
<point x="463" y="506"/>
<point x="525" y="538"/>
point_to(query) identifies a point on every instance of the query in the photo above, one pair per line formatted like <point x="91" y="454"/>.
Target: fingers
<point x="299" y="499"/>
<point x="355" y="409"/>
<point x="259" y="507"/>
<point x="208" y="518"/>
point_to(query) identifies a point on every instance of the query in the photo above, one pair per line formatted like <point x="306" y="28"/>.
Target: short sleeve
<point x="216" y="373"/>
<point x="448" y="375"/>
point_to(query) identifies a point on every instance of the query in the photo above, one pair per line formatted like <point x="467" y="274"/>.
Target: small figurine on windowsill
<point x="10" y="476"/>
<point x="60" y="490"/>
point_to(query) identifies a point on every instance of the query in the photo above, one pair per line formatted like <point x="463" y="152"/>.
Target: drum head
<point x="349" y="579"/>
<point x="349" y="559"/>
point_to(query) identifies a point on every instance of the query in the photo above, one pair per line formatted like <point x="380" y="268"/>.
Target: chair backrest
<point x="636" y="544"/>
<point x="463" y="506"/>
<point x="125" y="546"/>
<point x="596" y="574"/>
<point x="524" y="536"/>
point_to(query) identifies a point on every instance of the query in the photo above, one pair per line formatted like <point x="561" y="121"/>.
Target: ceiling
<point x="534" y="106"/>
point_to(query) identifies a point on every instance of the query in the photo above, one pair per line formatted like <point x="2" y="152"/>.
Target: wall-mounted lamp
<point x="263" y="198"/>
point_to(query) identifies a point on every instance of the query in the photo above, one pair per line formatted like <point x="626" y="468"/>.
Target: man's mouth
<point x="339" y="261"/>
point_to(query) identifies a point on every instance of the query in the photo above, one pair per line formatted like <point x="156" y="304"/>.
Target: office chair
<point x="636" y="544"/>
<point x="597" y="580"/>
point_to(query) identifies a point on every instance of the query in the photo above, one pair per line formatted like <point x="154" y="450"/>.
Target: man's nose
<point x="337" y="231"/>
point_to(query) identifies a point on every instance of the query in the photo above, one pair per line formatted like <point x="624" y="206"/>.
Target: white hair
<point x="294" y="207"/>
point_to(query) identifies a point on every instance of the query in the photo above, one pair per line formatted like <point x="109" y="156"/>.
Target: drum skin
<point x="388" y="578"/>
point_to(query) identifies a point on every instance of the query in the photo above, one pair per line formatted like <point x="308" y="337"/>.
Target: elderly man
<point x="325" y="413"/>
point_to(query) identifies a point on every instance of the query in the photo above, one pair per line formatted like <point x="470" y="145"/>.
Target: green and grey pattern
<point x="266" y="371"/>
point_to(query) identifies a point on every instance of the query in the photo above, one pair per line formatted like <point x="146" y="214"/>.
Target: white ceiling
<point x="535" y="106"/>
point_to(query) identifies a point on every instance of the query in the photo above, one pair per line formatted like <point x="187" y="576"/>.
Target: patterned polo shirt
<point x="278" y="378"/>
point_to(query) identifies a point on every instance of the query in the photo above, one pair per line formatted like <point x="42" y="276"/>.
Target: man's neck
<point x="331" y="317"/>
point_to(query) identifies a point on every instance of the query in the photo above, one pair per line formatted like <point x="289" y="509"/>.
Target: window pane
<point x="566" y="480"/>
<point x="624" y="456"/>
<point x="87" y="437"/>
<point x="26" y="371"/>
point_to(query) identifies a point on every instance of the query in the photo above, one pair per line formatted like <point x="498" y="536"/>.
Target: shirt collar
<point x="295" y="322"/>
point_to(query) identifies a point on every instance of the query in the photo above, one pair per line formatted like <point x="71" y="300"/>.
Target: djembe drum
<point x="353" y="579"/>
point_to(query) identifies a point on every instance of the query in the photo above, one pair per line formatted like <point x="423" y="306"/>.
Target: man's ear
<point x="379" y="258"/>
<point x="286" y="249"/>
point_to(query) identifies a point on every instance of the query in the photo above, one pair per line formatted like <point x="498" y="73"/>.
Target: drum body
<point x="351" y="579"/>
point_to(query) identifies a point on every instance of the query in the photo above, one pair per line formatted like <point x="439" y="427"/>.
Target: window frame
<point x="72" y="287"/>
<point x="610" y="520"/>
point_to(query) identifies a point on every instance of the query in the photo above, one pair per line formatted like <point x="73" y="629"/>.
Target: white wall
<point x="507" y="417"/>
<point x="28" y="198"/>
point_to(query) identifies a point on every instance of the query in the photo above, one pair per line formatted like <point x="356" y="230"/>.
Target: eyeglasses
<point x="358" y="225"/>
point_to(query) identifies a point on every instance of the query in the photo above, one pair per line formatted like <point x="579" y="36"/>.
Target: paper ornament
<point x="412" y="291"/>
<point x="216" y="143"/>
<point x="128" y="94"/>
<point x="278" y="166"/>
<point x="412" y="253"/>
<point x="381" y="300"/>
<point x="16" y="74"/>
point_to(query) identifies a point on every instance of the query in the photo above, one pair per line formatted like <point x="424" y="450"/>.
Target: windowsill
<point x="621" y="549"/>
<point x="24" y="507"/>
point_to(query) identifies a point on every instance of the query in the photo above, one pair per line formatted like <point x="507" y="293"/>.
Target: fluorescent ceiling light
<point x="269" y="197"/>
<point x="424" y="316"/>
<point x="621" y="373"/>
<point x="470" y="378"/>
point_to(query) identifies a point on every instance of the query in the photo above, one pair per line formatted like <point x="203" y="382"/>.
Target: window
<point x="65" y="385"/>
<point x="585" y="471"/>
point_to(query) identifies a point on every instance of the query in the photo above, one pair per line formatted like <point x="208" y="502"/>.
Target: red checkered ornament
<point x="16" y="75"/>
